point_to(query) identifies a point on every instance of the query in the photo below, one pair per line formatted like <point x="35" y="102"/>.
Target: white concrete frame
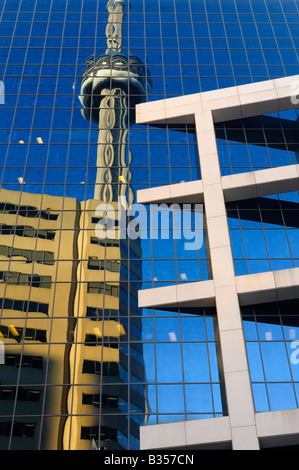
<point x="243" y="428"/>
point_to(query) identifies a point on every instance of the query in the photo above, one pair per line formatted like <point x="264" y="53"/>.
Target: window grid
<point x="279" y="333"/>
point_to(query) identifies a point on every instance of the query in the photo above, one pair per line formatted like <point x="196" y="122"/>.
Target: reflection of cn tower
<point x="104" y="359"/>
<point x="106" y="83"/>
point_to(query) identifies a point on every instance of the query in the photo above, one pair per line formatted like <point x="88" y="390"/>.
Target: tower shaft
<point x="113" y="156"/>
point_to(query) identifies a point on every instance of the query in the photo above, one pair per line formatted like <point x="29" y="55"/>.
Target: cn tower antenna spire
<point x="114" y="28"/>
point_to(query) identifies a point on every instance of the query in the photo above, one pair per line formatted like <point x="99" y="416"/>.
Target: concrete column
<point x="235" y="366"/>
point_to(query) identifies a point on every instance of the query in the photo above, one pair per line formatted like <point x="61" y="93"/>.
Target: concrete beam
<point x="201" y="434"/>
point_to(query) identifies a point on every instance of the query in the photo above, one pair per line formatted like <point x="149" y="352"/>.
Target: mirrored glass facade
<point x="81" y="364"/>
